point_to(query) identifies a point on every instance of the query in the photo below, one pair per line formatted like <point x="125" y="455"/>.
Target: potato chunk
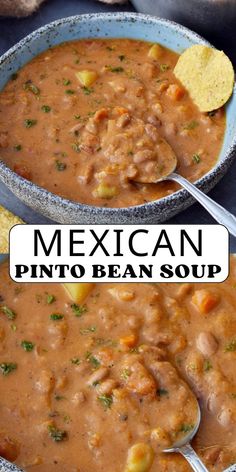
<point x="155" y="51"/>
<point x="86" y="77"/>
<point x="78" y="291"/>
<point x="140" y="458"/>
<point x="106" y="191"/>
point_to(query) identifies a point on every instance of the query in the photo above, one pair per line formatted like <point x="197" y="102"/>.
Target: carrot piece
<point x="205" y="301"/>
<point x="121" y="110"/>
<point x="175" y="92"/>
<point x="129" y="341"/>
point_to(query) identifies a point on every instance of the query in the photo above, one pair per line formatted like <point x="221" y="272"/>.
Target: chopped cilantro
<point x="10" y="314"/>
<point x="106" y="401"/>
<point x="186" y="428"/>
<point x="60" y="166"/>
<point x="76" y="147"/>
<point x="207" y="365"/>
<point x="56" y="434"/>
<point x="50" y="299"/>
<point x="162" y="392"/>
<point x="79" y="310"/>
<point x="7" y="367"/>
<point x="46" y="108"/>
<point x="231" y="346"/>
<point x="59" y="397"/>
<point x="93" y="360"/>
<point x="29" y="86"/>
<point x="56" y="316"/>
<point x="90" y="329"/>
<point x="69" y="92"/>
<point x="27" y="346"/>
<point x="196" y="158"/>
<point x="125" y="374"/>
<point x="75" y="360"/>
<point x="17" y="147"/>
<point x="164" y="67"/>
<point x="87" y="90"/>
<point x="191" y="125"/>
<point x="115" y="69"/>
<point x="28" y="123"/>
<point x="66" y="82"/>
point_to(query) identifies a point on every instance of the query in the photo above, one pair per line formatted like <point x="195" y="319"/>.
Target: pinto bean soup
<point x="85" y="118"/>
<point x="106" y="384"/>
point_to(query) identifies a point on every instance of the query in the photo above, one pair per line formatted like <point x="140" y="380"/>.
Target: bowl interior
<point x="128" y="25"/>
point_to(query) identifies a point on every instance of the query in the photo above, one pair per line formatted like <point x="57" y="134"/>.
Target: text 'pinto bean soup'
<point x="86" y="118"/>
<point x="101" y="377"/>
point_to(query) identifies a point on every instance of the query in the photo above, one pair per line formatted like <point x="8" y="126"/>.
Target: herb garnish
<point x="207" y="365"/>
<point x="196" y="158"/>
<point x="87" y="90"/>
<point x="29" y="86"/>
<point x="46" y="108"/>
<point x="60" y="166"/>
<point x="90" y="329"/>
<point x="231" y="346"/>
<point x="7" y="367"/>
<point x="106" y="401"/>
<point x="122" y="57"/>
<point x="66" y="82"/>
<point x="115" y="69"/>
<point x="93" y="360"/>
<point x="17" y="147"/>
<point x="191" y="125"/>
<point x="75" y="360"/>
<point x="69" y="92"/>
<point x="162" y="392"/>
<point x="76" y="147"/>
<point x="164" y="67"/>
<point x="56" y="434"/>
<point x="186" y="428"/>
<point x="28" y="123"/>
<point x="79" y="310"/>
<point x="50" y="299"/>
<point x="27" y="346"/>
<point x="125" y="374"/>
<point x="56" y="316"/>
<point x="10" y="314"/>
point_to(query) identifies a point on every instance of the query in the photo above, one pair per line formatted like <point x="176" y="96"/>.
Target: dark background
<point x="12" y="30"/>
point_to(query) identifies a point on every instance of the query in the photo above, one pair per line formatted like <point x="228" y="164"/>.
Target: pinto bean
<point x="144" y="155"/>
<point x="206" y="343"/>
<point x="98" y="375"/>
<point x="140" y="380"/>
<point x="123" y="120"/>
<point x="45" y="382"/>
<point x="106" y="387"/>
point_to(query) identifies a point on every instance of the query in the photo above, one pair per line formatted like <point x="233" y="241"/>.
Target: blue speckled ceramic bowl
<point x="129" y="25"/>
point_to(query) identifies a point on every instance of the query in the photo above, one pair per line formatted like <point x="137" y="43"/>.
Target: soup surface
<point x="86" y="119"/>
<point x="91" y="386"/>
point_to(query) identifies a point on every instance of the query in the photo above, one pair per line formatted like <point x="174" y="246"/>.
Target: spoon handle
<point x="220" y="214"/>
<point x="190" y="455"/>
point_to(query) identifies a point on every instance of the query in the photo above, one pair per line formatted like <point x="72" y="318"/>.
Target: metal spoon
<point x="166" y="171"/>
<point x="183" y="447"/>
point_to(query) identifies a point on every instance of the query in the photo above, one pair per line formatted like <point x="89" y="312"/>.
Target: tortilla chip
<point x="208" y="76"/>
<point x="7" y="220"/>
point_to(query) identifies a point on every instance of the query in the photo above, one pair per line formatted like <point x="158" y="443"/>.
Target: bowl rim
<point x="161" y="204"/>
